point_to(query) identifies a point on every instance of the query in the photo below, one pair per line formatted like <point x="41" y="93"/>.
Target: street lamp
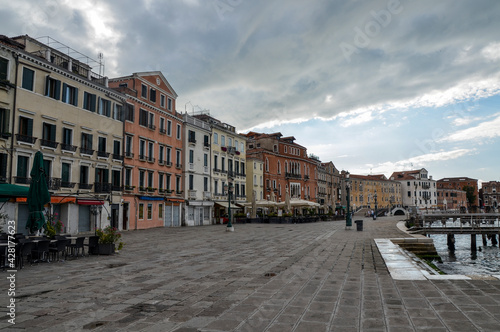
<point x="375" y="213"/>
<point x="229" y="188"/>
<point x="348" y="219"/>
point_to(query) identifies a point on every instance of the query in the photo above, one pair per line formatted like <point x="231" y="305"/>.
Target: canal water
<point x="486" y="261"/>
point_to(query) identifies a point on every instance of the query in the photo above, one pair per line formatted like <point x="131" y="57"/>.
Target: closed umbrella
<point x="288" y="207"/>
<point x="38" y="195"/>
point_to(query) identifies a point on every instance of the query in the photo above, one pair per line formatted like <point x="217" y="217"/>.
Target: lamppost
<point x="229" y="188"/>
<point x="348" y="219"/>
<point x="375" y="213"/>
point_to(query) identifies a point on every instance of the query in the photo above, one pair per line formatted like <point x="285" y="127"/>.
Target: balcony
<point x="151" y="160"/>
<point x="103" y="154"/>
<point x="142" y="157"/>
<point x="128" y="188"/>
<point x="178" y="166"/>
<point x="117" y="157"/>
<point x="101" y="187"/>
<point x="191" y="194"/>
<point x="47" y="143"/>
<point x="53" y="183"/>
<point x="66" y="184"/>
<point x="129" y="154"/>
<point x="150" y="189"/>
<point x="292" y="176"/>
<point x="161" y="162"/>
<point x="116" y="188"/>
<point x="68" y="147"/>
<point x="207" y="195"/>
<point x="25" y="139"/>
<point x="85" y="186"/>
<point x="163" y="131"/>
<point x="192" y="141"/>
<point x="86" y="151"/>
<point x="151" y="127"/>
<point x="168" y="164"/>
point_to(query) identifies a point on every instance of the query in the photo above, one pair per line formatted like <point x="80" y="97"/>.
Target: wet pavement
<point x="262" y="277"/>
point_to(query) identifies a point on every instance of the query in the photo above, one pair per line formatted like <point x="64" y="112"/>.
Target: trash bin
<point x="359" y="225"/>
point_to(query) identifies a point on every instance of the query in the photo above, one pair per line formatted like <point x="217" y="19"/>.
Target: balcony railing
<point x="65" y="184"/>
<point x="85" y="185"/>
<point x="68" y="147"/>
<point x="116" y="188"/>
<point x="101" y="187"/>
<point x="179" y="166"/>
<point x="86" y="151"/>
<point x="47" y="143"/>
<point x="151" y="126"/>
<point x="151" y="160"/>
<point x="117" y="157"/>
<point x="163" y="131"/>
<point x="129" y="154"/>
<point x="22" y="180"/>
<point x="53" y="183"/>
<point x="103" y="154"/>
<point x="293" y="176"/>
<point x="25" y="139"/>
<point x="142" y="157"/>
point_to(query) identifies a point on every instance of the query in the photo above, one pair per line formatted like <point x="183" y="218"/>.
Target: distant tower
<point x="100" y="56"/>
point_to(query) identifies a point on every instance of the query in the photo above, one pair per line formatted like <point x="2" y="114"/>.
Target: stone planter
<point x="106" y="248"/>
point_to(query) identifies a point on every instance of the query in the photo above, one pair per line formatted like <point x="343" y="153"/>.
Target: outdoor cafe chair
<point x="93" y="245"/>
<point x="24" y="251"/>
<point x="58" y="247"/>
<point x="41" y="250"/>
<point x="77" y="246"/>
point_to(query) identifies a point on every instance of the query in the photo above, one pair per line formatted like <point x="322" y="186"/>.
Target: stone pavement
<point x="263" y="277"/>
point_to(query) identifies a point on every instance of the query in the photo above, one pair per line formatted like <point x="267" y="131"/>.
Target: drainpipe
<point x="15" y="55"/>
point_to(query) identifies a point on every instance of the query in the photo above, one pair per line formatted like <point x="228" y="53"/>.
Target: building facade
<point x="197" y="181"/>
<point x="287" y="167"/>
<point x="451" y="199"/>
<point x="368" y="191"/>
<point x="67" y="111"/>
<point x="255" y="179"/>
<point x="459" y="183"/>
<point x="491" y="196"/>
<point x="228" y="170"/>
<point x="417" y="188"/>
<point x="153" y="149"/>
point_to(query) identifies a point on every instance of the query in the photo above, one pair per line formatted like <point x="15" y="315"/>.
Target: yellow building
<point x="370" y="190"/>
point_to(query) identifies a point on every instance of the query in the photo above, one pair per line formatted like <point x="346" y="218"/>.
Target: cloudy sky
<point x="374" y="86"/>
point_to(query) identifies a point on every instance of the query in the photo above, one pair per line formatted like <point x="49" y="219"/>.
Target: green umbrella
<point x="38" y="195"/>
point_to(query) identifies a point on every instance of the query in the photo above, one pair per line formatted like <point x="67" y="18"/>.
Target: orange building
<point x="459" y="184"/>
<point x="287" y="167"/>
<point x="153" y="193"/>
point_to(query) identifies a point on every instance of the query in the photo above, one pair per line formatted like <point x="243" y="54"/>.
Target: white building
<point x="197" y="180"/>
<point x="417" y="188"/>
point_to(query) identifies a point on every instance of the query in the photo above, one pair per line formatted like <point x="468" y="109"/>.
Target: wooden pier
<point x="486" y="224"/>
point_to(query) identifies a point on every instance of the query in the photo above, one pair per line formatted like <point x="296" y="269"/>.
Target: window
<point x="206" y="141"/>
<point x="223" y="163"/>
<point x="162" y="100"/>
<point x="161" y="180"/>
<point x="161" y="154"/>
<point x="205" y="160"/>
<point x="52" y="88"/>
<point x="160" y="210"/>
<point x="205" y="184"/>
<point x="4" y="120"/>
<point x="116" y="176"/>
<point x="191" y="181"/>
<point x="236" y="145"/>
<point x="28" y="79"/>
<point x="70" y="95"/>
<point x="167" y="178"/>
<point x="168" y="158"/>
<point x="86" y="146"/>
<point x="191" y="156"/>
<point x="142" y="179"/>
<point x="3" y="167"/>
<point x="128" y="146"/>
<point x="150" y="211"/>
<point x="144" y="91"/>
<point x="169" y="128"/>
<point x="229" y="141"/>
<point x="117" y="112"/>
<point x="141" y="210"/>
<point x="151" y="154"/>
<point x="84" y="175"/>
<point x="242" y="147"/>
<point x="169" y="106"/>
<point x="67" y="138"/>
<point x="178" y="131"/>
<point x="151" y="121"/>
<point x="101" y="148"/>
<point x="117" y="149"/>
<point x="151" y="183"/>
<point x="143" y="118"/>
<point x="128" y="177"/>
<point x="89" y="101"/>
<point x="142" y="149"/>
<point x="216" y="138"/>
<point x="22" y="169"/>
<point x="191" y="136"/>
<point x="178" y="184"/>
<point x="25" y="126"/>
<point x="49" y="135"/>
<point x="129" y="112"/>
<point x="216" y="185"/>
<point x="162" y="126"/>
<point x="178" y="162"/>
<point x="215" y="162"/>
<point x="152" y="95"/>
<point x="4" y="69"/>
<point x="222" y="140"/>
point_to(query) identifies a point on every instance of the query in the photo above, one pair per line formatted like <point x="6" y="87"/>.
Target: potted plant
<point x="108" y="238"/>
<point x="53" y="225"/>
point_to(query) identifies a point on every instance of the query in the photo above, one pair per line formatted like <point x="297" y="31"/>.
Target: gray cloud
<point x="261" y="61"/>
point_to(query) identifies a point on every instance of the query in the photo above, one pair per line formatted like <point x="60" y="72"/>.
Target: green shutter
<point x="3" y="165"/>
<point x="47" y="85"/>
<point x="29" y="129"/>
<point x="28" y="79"/>
<point x="76" y="97"/>
<point x="53" y="133"/>
<point x="4" y="64"/>
<point x="58" y="90"/>
<point x="92" y="102"/>
<point x="65" y="87"/>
